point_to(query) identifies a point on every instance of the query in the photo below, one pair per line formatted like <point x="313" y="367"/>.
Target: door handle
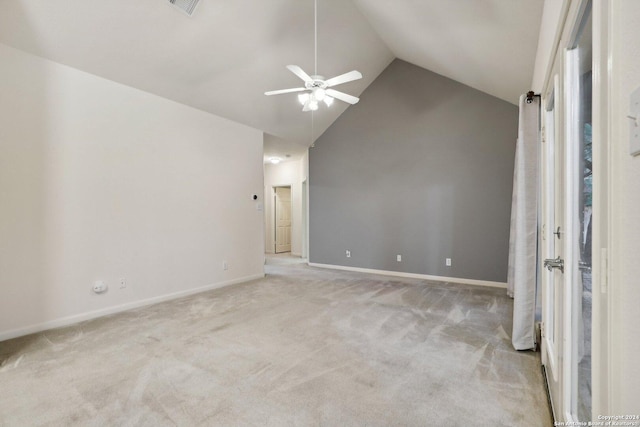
<point x="558" y="263"/>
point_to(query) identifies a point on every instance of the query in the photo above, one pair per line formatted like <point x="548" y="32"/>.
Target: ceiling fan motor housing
<point x="317" y="81"/>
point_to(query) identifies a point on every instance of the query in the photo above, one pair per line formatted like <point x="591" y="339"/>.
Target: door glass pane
<point x="585" y="192"/>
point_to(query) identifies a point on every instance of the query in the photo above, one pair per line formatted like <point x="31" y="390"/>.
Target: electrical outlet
<point x="399" y="258"/>
<point x="225" y="265"/>
<point x="123" y="283"/>
<point x="348" y="253"/>
<point x="448" y="262"/>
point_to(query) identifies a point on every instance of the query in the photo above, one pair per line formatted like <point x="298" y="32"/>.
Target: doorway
<point x="567" y="200"/>
<point x="305" y="221"/>
<point x="282" y="216"/>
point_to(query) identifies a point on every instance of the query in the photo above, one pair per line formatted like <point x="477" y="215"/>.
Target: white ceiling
<point x="489" y="45"/>
<point x="230" y="52"/>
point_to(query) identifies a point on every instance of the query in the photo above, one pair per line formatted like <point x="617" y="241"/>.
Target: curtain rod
<point x="530" y="96"/>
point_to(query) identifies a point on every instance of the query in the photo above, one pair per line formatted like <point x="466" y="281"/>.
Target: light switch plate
<point x="634" y="123"/>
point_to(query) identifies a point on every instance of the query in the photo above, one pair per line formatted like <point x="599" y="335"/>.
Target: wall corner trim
<point x="413" y="275"/>
<point x="77" y="318"/>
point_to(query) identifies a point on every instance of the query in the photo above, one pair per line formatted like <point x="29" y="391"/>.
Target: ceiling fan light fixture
<point x="303" y="98"/>
<point x="320" y="90"/>
<point x="319" y="93"/>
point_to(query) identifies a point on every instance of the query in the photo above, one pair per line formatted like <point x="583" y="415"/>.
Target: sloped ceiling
<point x="229" y="53"/>
<point x="489" y="45"/>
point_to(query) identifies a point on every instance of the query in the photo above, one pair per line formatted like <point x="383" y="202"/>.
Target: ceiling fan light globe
<point x="328" y="100"/>
<point x="319" y="94"/>
<point x="303" y="98"/>
<point x="313" y="105"/>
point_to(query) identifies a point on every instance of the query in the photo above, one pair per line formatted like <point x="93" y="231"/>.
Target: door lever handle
<point x="558" y="263"/>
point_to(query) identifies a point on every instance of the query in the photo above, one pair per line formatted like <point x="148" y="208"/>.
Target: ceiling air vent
<point x="187" y="6"/>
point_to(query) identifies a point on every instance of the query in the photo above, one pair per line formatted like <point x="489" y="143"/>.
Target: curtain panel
<point x="523" y="239"/>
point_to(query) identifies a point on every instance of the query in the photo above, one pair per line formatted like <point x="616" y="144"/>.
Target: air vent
<point x="187" y="6"/>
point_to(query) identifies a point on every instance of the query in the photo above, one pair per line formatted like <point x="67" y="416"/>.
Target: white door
<point x="567" y="194"/>
<point x="552" y="247"/>
<point x="283" y="219"/>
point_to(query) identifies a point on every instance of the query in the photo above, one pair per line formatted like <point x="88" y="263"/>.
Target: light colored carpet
<point x="304" y="347"/>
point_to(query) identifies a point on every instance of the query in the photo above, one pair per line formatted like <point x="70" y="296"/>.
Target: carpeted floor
<point x="303" y="347"/>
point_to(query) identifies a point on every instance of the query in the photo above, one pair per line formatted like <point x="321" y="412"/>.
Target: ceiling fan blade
<point x="278" y="92"/>
<point x="344" y="78"/>
<point x="298" y="72"/>
<point x="343" y="96"/>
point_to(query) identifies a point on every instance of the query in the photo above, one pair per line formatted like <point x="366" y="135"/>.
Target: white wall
<point x="101" y="181"/>
<point x="625" y="214"/>
<point x="290" y="173"/>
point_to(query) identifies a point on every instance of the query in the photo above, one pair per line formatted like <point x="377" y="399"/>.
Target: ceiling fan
<point x="316" y="89"/>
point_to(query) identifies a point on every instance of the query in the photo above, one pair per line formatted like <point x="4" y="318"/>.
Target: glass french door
<point x="579" y="213"/>
<point x="567" y="208"/>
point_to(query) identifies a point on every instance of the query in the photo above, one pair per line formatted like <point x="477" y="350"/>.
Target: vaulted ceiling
<point x="224" y="57"/>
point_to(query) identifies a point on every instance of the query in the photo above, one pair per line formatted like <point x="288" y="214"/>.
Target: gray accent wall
<point x="422" y="166"/>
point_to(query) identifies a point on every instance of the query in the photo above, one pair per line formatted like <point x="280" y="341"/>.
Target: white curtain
<point x="523" y="240"/>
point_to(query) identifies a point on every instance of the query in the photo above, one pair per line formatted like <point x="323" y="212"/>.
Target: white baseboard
<point x="76" y="318"/>
<point x="413" y="275"/>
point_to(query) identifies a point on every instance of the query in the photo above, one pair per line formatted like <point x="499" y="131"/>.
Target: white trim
<point x="559" y="31"/>
<point x="602" y="135"/>
<point x="77" y="318"/>
<point x="572" y="132"/>
<point x="550" y="309"/>
<point x="413" y="275"/>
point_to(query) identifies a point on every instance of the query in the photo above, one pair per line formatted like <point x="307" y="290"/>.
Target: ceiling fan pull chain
<point x="315" y="37"/>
